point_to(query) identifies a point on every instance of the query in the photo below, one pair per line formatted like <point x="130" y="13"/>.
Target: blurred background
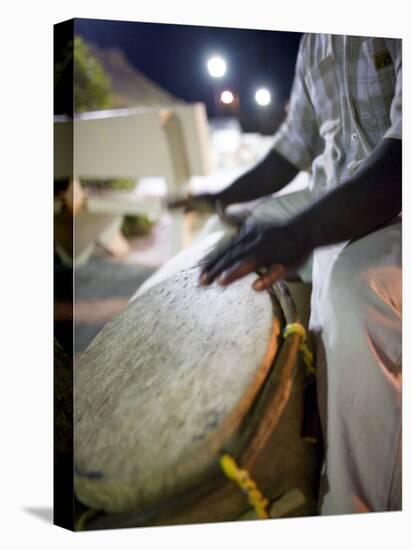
<point x="159" y="109"/>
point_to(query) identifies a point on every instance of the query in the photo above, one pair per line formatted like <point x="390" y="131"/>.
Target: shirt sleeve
<point x="395" y="129"/>
<point x="297" y="138"/>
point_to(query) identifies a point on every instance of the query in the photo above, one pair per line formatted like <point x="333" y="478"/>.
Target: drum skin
<point x="164" y="386"/>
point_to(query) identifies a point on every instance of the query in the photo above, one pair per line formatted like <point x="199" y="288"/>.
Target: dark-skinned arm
<point x="366" y="201"/>
<point x="269" y="175"/>
<point x="370" y="198"/>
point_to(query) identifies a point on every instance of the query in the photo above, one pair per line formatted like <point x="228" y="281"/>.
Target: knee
<point x="367" y="275"/>
<point x="360" y="313"/>
<point x="357" y="287"/>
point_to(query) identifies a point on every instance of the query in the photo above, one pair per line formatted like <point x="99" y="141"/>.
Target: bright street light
<point x="216" y="66"/>
<point x="262" y="97"/>
<point x="227" y="97"/>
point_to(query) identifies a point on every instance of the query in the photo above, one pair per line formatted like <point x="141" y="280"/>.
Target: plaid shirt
<point x="346" y="97"/>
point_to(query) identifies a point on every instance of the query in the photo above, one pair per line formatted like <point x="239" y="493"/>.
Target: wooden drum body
<point x="181" y="376"/>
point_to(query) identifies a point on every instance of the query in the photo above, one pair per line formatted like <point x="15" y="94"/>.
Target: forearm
<point x="372" y="197"/>
<point x="269" y="175"/>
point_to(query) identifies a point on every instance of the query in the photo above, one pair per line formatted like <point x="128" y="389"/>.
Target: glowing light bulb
<point x="216" y="66"/>
<point x="263" y="97"/>
<point x="227" y="97"/>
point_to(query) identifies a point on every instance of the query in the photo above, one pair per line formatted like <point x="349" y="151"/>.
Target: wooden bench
<point x="125" y="143"/>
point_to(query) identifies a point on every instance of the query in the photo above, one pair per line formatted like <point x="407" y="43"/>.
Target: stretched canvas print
<point x="227" y="252"/>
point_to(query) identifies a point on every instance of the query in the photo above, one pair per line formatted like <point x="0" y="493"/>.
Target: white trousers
<point x="357" y="320"/>
<point x="359" y="334"/>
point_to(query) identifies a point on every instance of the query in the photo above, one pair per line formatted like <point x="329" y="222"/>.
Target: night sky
<point x="175" y="56"/>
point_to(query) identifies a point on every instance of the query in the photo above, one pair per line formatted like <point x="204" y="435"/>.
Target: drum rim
<point x="119" y="493"/>
<point x="281" y="299"/>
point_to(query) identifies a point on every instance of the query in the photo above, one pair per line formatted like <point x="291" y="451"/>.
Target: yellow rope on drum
<point x="228" y="464"/>
<point x="298" y="328"/>
<point x="244" y="481"/>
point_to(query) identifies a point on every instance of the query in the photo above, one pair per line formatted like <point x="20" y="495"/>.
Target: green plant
<point x="109" y="184"/>
<point x="136" y="226"/>
<point x="92" y="86"/>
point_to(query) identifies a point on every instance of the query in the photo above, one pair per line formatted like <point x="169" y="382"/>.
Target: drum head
<point x="185" y="259"/>
<point x="163" y="387"/>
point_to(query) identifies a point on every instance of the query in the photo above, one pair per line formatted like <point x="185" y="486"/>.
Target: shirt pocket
<point x="373" y="86"/>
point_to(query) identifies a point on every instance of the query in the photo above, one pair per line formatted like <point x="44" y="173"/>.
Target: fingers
<point x="228" y="259"/>
<point x="242" y="268"/>
<point x="202" y="202"/>
<point x="187" y="203"/>
<point x="213" y="256"/>
<point x="237" y="271"/>
<point x="223" y="248"/>
<point x="273" y="274"/>
<point x="177" y="201"/>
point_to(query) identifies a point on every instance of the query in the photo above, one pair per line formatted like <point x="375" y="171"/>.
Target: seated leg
<point x="359" y="326"/>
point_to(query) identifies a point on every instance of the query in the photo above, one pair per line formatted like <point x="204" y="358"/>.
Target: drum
<point x="189" y="407"/>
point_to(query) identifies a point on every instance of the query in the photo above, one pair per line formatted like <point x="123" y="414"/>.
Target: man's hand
<point x="366" y="201"/>
<point x="202" y="202"/>
<point x="269" y="175"/>
<point x="279" y="248"/>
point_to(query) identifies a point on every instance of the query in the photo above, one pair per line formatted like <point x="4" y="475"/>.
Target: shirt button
<point x="354" y="136"/>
